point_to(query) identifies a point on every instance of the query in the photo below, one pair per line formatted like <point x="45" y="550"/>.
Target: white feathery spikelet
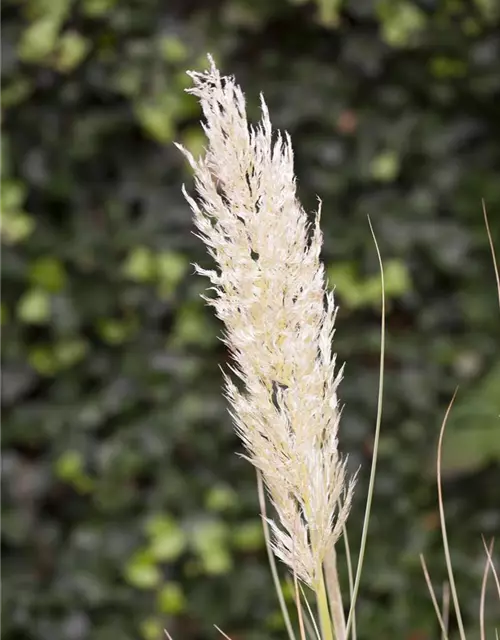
<point x="271" y="294"/>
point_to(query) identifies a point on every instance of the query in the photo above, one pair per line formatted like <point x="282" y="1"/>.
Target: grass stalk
<point x="483" y="595"/>
<point x="492" y="567"/>
<point x="314" y="628"/>
<point x="325" y="620"/>
<point x="350" y="577"/>
<point x="371" y="485"/>
<point x="335" y="595"/>
<point x="492" y="248"/>
<point x="442" y="519"/>
<point x="272" y="562"/>
<point x="446" y="610"/>
<point x="224" y="635"/>
<point x="299" y="607"/>
<point x="440" y="618"/>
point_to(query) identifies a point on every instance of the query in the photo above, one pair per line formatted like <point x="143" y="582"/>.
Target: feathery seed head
<point x="279" y="319"/>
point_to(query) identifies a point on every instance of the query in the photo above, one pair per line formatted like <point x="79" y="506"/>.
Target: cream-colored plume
<point x="270" y="293"/>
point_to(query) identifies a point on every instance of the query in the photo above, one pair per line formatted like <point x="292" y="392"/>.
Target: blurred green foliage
<point x="124" y="506"/>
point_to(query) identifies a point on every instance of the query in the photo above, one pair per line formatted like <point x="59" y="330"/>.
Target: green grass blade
<point x="371" y="485"/>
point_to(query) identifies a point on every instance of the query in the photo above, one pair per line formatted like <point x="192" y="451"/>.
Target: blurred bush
<point x="124" y="507"/>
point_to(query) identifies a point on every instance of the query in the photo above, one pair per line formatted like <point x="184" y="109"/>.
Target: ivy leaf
<point x="472" y="438"/>
<point x="39" y="39"/>
<point x="141" y="570"/>
<point x="34" y="307"/>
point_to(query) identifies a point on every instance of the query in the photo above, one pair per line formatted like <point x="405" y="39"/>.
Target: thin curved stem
<point x="335" y="595"/>
<point x="433" y="598"/>
<point x="350" y="576"/>
<point x="325" y="621"/>
<point x="371" y="485"/>
<point x="442" y="519"/>
<point x="492" y="248"/>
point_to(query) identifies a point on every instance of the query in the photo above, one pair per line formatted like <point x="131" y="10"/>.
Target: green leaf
<point x="472" y="437"/>
<point x="249" y="536"/>
<point x="329" y="12"/>
<point x="69" y="352"/>
<point x="128" y="80"/>
<point x="114" y="331"/>
<point x="97" y="8"/>
<point x="48" y="273"/>
<point x="401" y="21"/>
<point x="217" y="562"/>
<point x="156" y="121"/>
<point x="208" y="534"/>
<point x="54" y="9"/>
<point x="171" y="599"/>
<point x="489" y="9"/>
<point x="16" y="226"/>
<point x="50" y="359"/>
<point x="171" y="267"/>
<point x="442" y="67"/>
<point x="356" y="291"/>
<point x="141" y="570"/>
<point x="397" y="280"/>
<point x="221" y="498"/>
<point x="210" y="540"/>
<point x="70" y="468"/>
<point x="193" y="141"/>
<point x="34" y="307"/>
<point x="152" y="629"/>
<point x="472" y="448"/>
<point x="385" y="166"/>
<point x="140" y="265"/>
<point x="173" y="49"/>
<point x="167" y="539"/>
<point x="39" y="39"/>
<point x="274" y="622"/>
<point x="12" y="195"/>
<point x="191" y="327"/>
<point x="70" y="465"/>
<point x="42" y="359"/>
<point x="72" y="48"/>
<point x="15" y="92"/>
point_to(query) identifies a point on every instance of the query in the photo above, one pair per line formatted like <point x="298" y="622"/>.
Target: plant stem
<point x="323" y="611"/>
<point x="373" y="471"/>
<point x="335" y="595"/>
<point x="272" y="562"/>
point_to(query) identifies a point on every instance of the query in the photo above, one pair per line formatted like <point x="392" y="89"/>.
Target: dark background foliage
<point x="125" y="508"/>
